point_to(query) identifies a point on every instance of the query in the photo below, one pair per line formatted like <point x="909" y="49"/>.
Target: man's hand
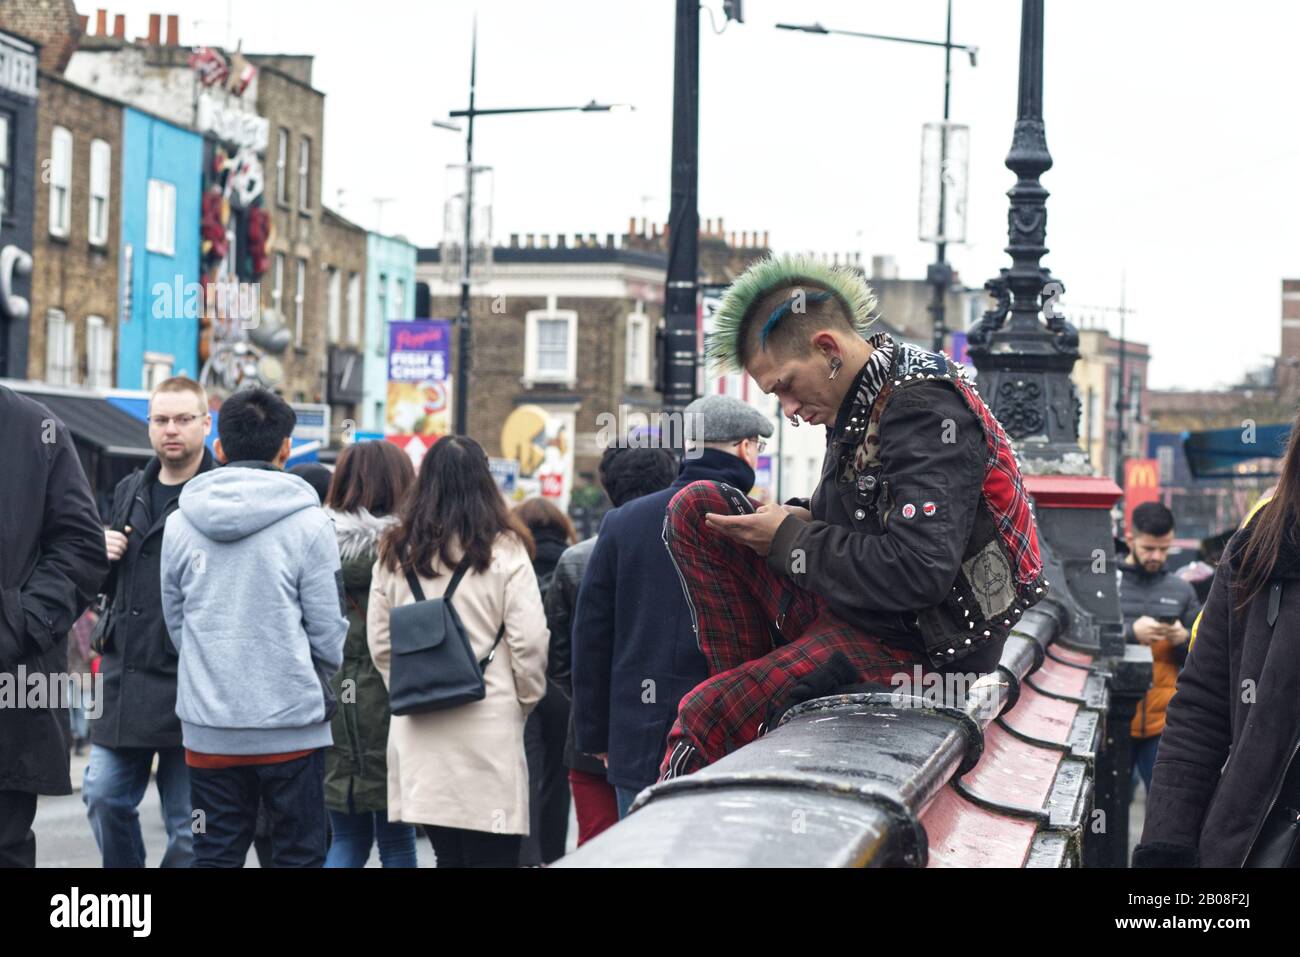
<point x="799" y="512"/>
<point x="115" y="543"/>
<point x="1176" y="633"/>
<point x="604" y="758"/>
<point x="1146" y="630"/>
<point x="756" y="531"/>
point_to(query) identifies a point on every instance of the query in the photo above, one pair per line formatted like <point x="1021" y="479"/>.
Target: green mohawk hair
<point x="723" y="345"/>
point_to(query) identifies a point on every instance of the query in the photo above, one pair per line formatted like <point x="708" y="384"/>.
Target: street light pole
<point x="464" y="350"/>
<point x="939" y="274"/>
<point x="681" y="312"/>
<point x="463" y="353"/>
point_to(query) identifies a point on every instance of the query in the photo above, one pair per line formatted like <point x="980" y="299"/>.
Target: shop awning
<point x="93" y="420"/>
<point x="1218" y="453"/>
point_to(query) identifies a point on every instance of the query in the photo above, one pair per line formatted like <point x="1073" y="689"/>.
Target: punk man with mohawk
<point x="917" y="546"/>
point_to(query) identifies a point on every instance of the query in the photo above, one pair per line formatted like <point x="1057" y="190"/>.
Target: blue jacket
<point x="635" y="653"/>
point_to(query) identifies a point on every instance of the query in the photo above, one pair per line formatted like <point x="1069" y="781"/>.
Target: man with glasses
<point x="634" y="649"/>
<point x="138" y="719"/>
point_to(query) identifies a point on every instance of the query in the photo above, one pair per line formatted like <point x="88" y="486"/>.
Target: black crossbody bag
<point x="433" y="666"/>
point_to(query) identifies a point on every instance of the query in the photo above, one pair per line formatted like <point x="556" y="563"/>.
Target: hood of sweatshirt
<point x="239" y="500"/>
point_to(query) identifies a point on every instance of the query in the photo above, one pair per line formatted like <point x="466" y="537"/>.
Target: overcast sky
<point x="1175" y="152"/>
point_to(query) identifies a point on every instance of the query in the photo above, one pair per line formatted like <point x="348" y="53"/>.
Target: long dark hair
<point x="370" y="475"/>
<point x="454" y="500"/>
<point x="1270" y="528"/>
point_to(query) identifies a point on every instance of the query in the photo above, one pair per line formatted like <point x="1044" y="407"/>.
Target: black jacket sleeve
<point x="71" y="564"/>
<point x="593" y="643"/>
<point x="561" y="598"/>
<point x="1195" y="742"/>
<point x="932" y="450"/>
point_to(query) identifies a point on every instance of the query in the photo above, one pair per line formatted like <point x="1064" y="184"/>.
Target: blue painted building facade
<point x="162" y="177"/>
<point x="390" y="295"/>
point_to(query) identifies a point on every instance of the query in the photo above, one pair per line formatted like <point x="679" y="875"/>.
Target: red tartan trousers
<point x="736" y="600"/>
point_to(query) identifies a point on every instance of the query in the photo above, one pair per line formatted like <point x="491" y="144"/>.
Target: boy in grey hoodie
<point x="252" y="596"/>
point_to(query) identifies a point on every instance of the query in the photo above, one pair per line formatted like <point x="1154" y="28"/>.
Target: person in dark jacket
<point x="547" y="726"/>
<point x="1159" y="609"/>
<point x="369" y="482"/>
<point x="1226" y="787"/>
<point x="918" y="546"/>
<point x="138" y="720"/>
<point x="625" y="474"/>
<point x="53" y="565"/>
<point x="634" y="648"/>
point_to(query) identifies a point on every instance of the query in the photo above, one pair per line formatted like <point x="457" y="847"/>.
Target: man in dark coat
<point x="139" y="661"/>
<point x="918" y="546"/>
<point x="51" y="566"/>
<point x="634" y="649"/>
<point x="625" y="474"/>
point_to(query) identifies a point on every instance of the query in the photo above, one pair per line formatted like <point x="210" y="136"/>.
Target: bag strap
<point x="414" y="584"/>
<point x="1274" y="602"/>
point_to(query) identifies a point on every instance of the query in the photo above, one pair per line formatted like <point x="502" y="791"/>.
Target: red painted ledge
<point x="1072" y="491"/>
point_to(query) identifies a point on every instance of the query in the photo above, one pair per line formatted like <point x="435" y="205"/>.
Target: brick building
<point x="54" y="24"/>
<point x="342" y="250"/>
<point x="295" y="284"/>
<point x="76" y="237"/>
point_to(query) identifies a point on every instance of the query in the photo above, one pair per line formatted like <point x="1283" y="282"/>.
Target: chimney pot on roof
<point x="544" y="240"/>
<point x="101" y="23"/>
<point x="642" y="231"/>
<point x="609" y="240"/>
<point x="83" y="20"/>
<point x="631" y="225"/>
<point x="708" y="227"/>
<point x="514" y="240"/>
<point x="119" y="26"/>
<point x="654" y="230"/>
<point x="528" y="240"/>
<point x="765" y="239"/>
<point x="173" y="30"/>
<point x="155" y="29"/>
<point x="720" y="231"/>
<point x="560" y="241"/>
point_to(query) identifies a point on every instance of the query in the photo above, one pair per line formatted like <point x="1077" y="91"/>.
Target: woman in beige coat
<point x="461" y="772"/>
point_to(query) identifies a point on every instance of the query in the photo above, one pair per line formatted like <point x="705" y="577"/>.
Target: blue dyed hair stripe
<point x="783" y="310"/>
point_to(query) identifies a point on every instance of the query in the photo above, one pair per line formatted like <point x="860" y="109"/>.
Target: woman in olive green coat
<point x="368" y="483"/>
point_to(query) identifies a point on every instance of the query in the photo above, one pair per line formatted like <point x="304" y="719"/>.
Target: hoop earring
<point x="794" y="421"/>
<point x="836" y="362"/>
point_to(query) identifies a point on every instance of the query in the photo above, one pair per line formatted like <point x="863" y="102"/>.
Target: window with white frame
<point x="60" y="181"/>
<point x="299" y="296"/>
<point x="282" y="167"/>
<point x="354" y="309"/>
<point x="277" y="285"/>
<point x="334" y="305"/>
<point x="101" y="163"/>
<point x="6" y="162"/>
<point x="99" y="353"/>
<point x="304" y="172"/>
<point x="161" y="236"/>
<point x="550" y="345"/>
<point x="637" y="356"/>
<point x="60" y="349"/>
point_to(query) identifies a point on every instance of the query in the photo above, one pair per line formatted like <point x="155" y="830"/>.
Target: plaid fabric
<point x="739" y="606"/>
<point x="1004" y="493"/>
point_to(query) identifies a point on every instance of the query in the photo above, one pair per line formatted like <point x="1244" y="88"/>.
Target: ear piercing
<point x="794" y="421"/>
<point x="836" y="362"/>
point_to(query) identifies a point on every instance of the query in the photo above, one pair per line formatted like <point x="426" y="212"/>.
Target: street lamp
<point x="463" y="351"/>
<point x="939" y="275"/>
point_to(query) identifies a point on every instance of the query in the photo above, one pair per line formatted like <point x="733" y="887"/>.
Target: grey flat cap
<point x="722" y="418"/>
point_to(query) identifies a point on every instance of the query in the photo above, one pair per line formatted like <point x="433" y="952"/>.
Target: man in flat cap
<point x="917" y="546"/>
<point x="634" y="649"/>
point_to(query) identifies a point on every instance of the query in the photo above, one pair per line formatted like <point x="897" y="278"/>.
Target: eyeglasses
<point x="182" y="421"/>
<point x="761" y="443"/>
